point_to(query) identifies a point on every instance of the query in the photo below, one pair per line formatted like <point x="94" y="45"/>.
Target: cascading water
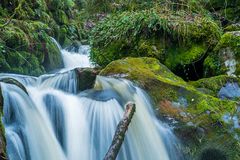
<point x="73" y="59"/>
<point x="53" y="122"/>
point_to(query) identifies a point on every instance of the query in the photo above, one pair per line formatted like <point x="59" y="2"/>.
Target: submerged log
<point x="120" y="132"/>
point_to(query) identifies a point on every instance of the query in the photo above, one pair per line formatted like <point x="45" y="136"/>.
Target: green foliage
<point x="29" y="29"/>
<point x="112" y="6"/>
<point x="121" y="35"/>
<point x="229" y="9"/>
<point x="14" y="37"/>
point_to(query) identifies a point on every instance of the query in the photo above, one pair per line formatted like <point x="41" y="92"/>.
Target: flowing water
<point x="55" y="122"/>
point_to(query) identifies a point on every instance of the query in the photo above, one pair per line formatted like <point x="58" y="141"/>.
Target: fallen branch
<point x="120" y="132"/>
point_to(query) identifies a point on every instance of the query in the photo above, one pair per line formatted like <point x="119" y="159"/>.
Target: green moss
<point x="230" y="39"/>
<point x="229" y="9"/>
<point x="151" y="33"/>
<point x="53" y="59"/>
<point x="30" y="27"/>
<point x="14" y="37"/>
<point x="184" y="56"/>
<point x="203" y="111"/>
<point x="24" y="63"/>
<point x="232" y="27"/>
<point x="162" y="84"/>
<point x="4" y="66"/>
<point x="61" y="17"/>
<point x="227" y="47"/>
<point x="63" y="36"/>
<point x="214" y="83"/>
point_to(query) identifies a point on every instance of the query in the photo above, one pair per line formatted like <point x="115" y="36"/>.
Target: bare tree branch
<point x="120" y="132"/>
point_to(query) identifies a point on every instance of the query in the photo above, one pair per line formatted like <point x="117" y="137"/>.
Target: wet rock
<point x="229" y="91"/>
<point x="86" y="78"/>
<point x="225" y="57"/>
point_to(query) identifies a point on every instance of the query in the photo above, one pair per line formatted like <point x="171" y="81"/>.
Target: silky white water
<point x="74" y="59"/>
<point x="54" y="121"/>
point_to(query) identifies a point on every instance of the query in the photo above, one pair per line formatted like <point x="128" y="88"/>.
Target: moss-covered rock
<point x="27" y="48"/>
<point x="232" y="27"/>
<point x="162" y="84"/>
<point x="213" y="84"/>
<point x="226" y="56"/>
<point x="14" y="38"/>
<point x="176" y="100"/>
<point x="178" y="39"/>
<point x="184" y="56"/>
<point x="30" y="31"/>
<point x="52" y="57"/>
<point x="150" y="32"/>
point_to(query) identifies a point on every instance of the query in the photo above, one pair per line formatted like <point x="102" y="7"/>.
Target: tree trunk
<point x="120" y="132"/>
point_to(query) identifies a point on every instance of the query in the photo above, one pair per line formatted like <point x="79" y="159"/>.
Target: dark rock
<point x="86" y="78"/>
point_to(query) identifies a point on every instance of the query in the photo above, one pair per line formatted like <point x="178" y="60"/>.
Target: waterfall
<point x="79" y="58"/>
<point x="55" y="122"/>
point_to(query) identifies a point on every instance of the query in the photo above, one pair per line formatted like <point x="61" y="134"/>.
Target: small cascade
<point x="66" y="81"/>
<point x="24" y="79"/>
<point x="77" y="58"/>
<point x="27" y="126"/>
<point x="55" y="122"/>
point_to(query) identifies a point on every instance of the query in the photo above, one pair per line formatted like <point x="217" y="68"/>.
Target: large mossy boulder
<point x="225" y="58"/>
<point x="197" y="116"/>
<point x="178" y="39"/>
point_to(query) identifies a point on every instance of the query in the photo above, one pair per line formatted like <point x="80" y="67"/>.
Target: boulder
<point x="196" y="116"/>
<point x="225" y="58"/>
<point x="86" y="78"/>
